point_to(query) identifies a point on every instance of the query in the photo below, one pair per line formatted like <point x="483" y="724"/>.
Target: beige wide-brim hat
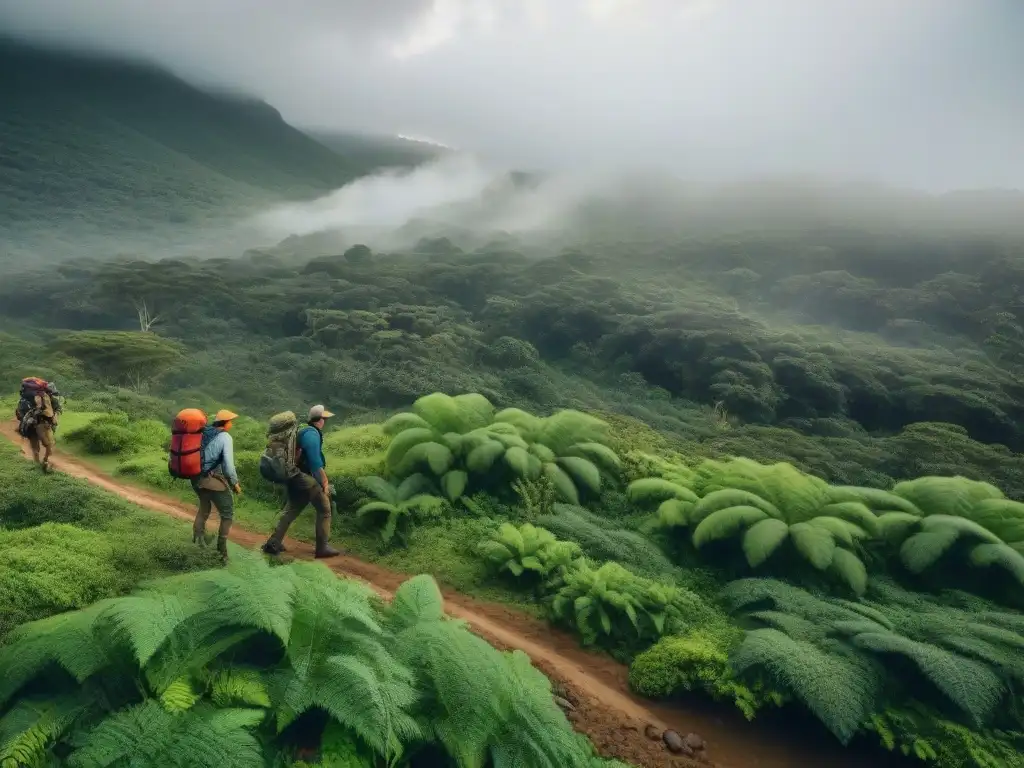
<point x="224" y="415"/>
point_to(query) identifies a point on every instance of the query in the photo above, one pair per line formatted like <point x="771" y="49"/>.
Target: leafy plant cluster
<point x="779" y="515"/>
<point x="465" y="442"/>
<point x="251" y="664"/>
<point x="605" y="603"/>
<point x="447" y="449"/>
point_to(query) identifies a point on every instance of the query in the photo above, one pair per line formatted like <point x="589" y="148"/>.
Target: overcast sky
<point x="928" y="93"/>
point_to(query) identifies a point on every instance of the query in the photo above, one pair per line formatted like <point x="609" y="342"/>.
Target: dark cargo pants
<point x="303" y="490"/>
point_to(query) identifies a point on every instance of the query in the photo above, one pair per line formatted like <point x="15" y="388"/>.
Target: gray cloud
<point x="918" y="92"/>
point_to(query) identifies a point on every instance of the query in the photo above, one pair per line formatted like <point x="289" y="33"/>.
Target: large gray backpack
<point x="278" y="462"/>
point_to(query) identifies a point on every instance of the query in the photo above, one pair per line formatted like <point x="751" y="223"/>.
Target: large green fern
<point x="395" y="506"/>
<point x="528" y="551"/>
<point x="212" y="668"/>
<point x="769" y="508"/>
<point x="966" y="520"/>
<point x="972" y="657"/>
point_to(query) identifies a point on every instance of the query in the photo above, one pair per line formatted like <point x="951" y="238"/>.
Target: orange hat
<point x="224" y="415"/>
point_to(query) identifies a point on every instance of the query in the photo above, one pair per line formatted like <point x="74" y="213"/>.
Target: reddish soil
<point x="596" y="685"/>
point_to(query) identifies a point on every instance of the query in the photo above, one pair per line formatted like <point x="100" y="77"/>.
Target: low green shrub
<point x="51" y="568"/>
<point x="698" y="661"/>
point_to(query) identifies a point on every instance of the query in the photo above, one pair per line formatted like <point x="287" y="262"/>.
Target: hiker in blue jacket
<point x="309" y="486"/>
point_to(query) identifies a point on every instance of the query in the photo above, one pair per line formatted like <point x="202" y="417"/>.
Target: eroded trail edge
<point x="596" y="685"/>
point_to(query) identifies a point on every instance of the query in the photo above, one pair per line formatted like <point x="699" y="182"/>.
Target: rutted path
<point x="605" y="709"/>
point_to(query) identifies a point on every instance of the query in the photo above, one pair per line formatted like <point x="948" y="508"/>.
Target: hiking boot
<point x="323" y="534"/>
<point x="272" y="548"/>
<point x="222" y="548"/>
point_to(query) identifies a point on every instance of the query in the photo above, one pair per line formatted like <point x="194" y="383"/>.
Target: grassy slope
<point x="67" y="544"/>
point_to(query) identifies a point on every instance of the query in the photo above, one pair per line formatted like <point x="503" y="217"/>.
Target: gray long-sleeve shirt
<point x="219" y="452"/>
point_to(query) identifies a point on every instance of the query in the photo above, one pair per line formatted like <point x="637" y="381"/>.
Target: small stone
<point x="675" y="743"/>
<point x="652" y="732"/>
<point x="694" y="742"/>
<point x="565" y="704"/>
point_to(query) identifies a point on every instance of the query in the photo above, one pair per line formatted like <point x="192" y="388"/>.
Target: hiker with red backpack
<point x="205" y="455"/>
<point x="38" y="414"/>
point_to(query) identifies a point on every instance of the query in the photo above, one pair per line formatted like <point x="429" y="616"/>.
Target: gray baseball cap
<point x="318" y="412"/>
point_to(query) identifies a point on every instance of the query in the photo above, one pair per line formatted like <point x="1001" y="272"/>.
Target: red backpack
<point x="185" y="460"/>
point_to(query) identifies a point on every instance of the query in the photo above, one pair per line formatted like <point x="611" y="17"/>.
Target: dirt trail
<point x="596" y="684"/>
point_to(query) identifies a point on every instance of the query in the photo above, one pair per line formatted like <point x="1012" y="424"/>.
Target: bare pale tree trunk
<point x="146" y="320"/>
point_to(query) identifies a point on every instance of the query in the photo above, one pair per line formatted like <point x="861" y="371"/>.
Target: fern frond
<point x="482" y="458"/>
<point x="817" y="545"/>
<point x="401" y="422"/>
<point x="380" y="488"/>
<point x="726" y="522"/>
<point x="66" y="639"/>
<point x="599" y="454"/>
<point x="454" y="484"/>
<point x="762" y="539"/>
<point x="435" y="455"/>
<point x="522" y="463"/>
<point x="1007" y="558"/>
<point x="32" y="726"/>
<point x="583" y="472"/>
<point x="838" y="690"/>
<point x="922" y="550"/>
<point x="1003" y="517"/>
<point x="674" y="513"/>
<point x="145" y="735"/>
<point x="179" y="696"/>
<point x="653" y="490"/>
<point x="405" y="441"/>
<point x="562" y="483"/>
<point x="969" y="684"/>
<point x="850" y="570"/>
<point x="731" y="497"/>
<point x="895" y="526"/>
<point x="239" y="687"/>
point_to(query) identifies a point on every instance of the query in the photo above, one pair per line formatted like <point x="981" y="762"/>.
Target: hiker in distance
<point x="295" y="459"/>
<point x="38" y="414"/>
<point x="217" y="480"/>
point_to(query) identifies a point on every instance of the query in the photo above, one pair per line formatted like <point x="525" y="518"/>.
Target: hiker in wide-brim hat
<point x="218" y="480"/>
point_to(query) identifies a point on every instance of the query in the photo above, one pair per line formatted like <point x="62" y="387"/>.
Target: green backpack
<point x="278" y="462"/>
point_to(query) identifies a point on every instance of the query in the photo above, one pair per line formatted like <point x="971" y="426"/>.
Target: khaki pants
<point x="213" y="491"/>
<point x="41" y="439"/>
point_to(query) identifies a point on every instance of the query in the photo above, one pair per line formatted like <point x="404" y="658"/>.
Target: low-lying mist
<point x="473" y="202"/>
<point x="465" y="198"/>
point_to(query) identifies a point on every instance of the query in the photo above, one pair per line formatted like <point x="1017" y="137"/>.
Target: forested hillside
<point x="91" y="146"/>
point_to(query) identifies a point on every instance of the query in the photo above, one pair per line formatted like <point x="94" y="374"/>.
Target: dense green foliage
<point x="238" y="666"/>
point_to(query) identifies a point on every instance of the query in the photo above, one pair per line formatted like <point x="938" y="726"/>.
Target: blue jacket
<point x="218" y="452"/>
<point x="310" y="441"/>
